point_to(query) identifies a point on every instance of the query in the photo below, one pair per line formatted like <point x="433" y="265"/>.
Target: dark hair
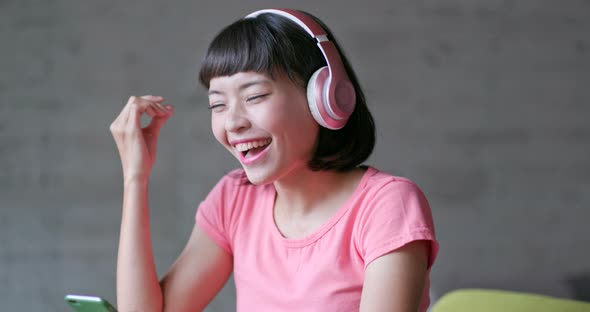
<point x="272" y="44"/>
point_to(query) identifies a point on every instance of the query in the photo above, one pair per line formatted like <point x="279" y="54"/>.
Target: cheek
<point x="294" y="113"/>
<point x="300" y="128"/>
<point x="217" y="127"/>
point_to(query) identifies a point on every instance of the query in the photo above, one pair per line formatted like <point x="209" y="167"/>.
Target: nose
<point x="236" y="119"/>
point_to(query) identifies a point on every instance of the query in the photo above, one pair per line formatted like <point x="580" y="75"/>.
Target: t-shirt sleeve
<point x="212" y="213"/>
<point x="397" y="215"/>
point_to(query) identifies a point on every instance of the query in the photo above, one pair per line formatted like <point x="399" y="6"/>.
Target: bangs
<point x="266" y="45"/>
<point x="246" y="45"/>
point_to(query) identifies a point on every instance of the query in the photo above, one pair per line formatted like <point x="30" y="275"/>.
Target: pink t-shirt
<point x="325" y="270"/>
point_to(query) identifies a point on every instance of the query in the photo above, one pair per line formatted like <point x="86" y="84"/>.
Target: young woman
<point x="302" y="225"/>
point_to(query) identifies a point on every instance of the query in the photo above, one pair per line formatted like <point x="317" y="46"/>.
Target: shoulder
<point x="393" y="202"/>
<point x="233" y="179"/>
<point x="385" y="186"/>
<point x="230" y="201"/>
<point x="232" y="189"/>
<point x="394" y="213"/>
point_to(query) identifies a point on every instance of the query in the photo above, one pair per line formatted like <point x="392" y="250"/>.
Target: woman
<point x="303" y="226"/>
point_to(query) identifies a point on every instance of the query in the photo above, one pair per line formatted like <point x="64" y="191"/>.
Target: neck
<point x="301" y="191"/>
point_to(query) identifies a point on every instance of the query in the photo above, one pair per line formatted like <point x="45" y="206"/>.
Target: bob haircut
<point x="272" y="44"/>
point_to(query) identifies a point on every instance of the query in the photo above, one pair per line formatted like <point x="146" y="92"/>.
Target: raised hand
<point x="137" y="146"/>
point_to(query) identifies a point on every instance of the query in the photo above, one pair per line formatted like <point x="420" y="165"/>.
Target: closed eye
<point x="214" y="106"/>
<point x="257" y="97"/>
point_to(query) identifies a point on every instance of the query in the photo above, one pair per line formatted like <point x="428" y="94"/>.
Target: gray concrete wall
<point x="483" y="103"/>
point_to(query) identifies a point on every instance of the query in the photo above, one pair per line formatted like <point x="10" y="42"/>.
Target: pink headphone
<point x="330" y="93"/>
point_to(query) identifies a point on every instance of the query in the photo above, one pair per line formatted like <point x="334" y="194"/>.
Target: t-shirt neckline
<point x="324" y="228"/>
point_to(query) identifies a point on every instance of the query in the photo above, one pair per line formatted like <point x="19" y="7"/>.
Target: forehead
<point x="239" y="80"/>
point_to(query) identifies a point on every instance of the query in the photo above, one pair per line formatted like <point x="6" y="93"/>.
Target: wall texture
<point x="483" y="103"/>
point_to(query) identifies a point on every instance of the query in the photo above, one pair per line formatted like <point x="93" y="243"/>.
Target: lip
<point x="251" y="160"/>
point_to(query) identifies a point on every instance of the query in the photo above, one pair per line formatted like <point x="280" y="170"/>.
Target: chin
<point x="258" y="177"/>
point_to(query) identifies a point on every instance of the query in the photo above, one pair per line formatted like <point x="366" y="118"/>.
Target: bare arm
<point x="137" y="282"/>
<point x="191" y="283"/>
<point x="202" y="268"/>
<point x="198" y="274"/>
<point x="395" y="281"/>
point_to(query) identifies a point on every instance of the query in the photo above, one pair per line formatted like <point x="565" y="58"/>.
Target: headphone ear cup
<point x="316" y="98"/>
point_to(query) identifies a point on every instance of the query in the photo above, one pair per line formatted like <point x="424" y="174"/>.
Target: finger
<point x="134" y="117"/>
<point x="152" y="111"/>
<point x="156" y="109"/>
<point x="153" y="98"/>
<point x="163" y="109"/>
<point x="124" y="114"/>
<point x="138" y="106"/>
<point x="156" y="124"/>
<point x="133" y="104"/>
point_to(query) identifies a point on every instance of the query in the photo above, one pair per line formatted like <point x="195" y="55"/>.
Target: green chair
<point x="484" y="300"/>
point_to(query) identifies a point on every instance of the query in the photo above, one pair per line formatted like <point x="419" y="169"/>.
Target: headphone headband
<point x="303" y="20"/>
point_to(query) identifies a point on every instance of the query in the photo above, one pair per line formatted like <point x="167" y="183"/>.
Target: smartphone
<point x="82" y="303"/>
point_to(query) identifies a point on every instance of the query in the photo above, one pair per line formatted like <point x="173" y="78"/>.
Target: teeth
<point x="242" y="147"/>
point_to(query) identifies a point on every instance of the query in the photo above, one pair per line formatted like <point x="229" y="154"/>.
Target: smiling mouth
<point x="253" y="148"/>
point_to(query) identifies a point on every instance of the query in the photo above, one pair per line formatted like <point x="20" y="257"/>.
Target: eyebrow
<point x="241" y="87"/>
